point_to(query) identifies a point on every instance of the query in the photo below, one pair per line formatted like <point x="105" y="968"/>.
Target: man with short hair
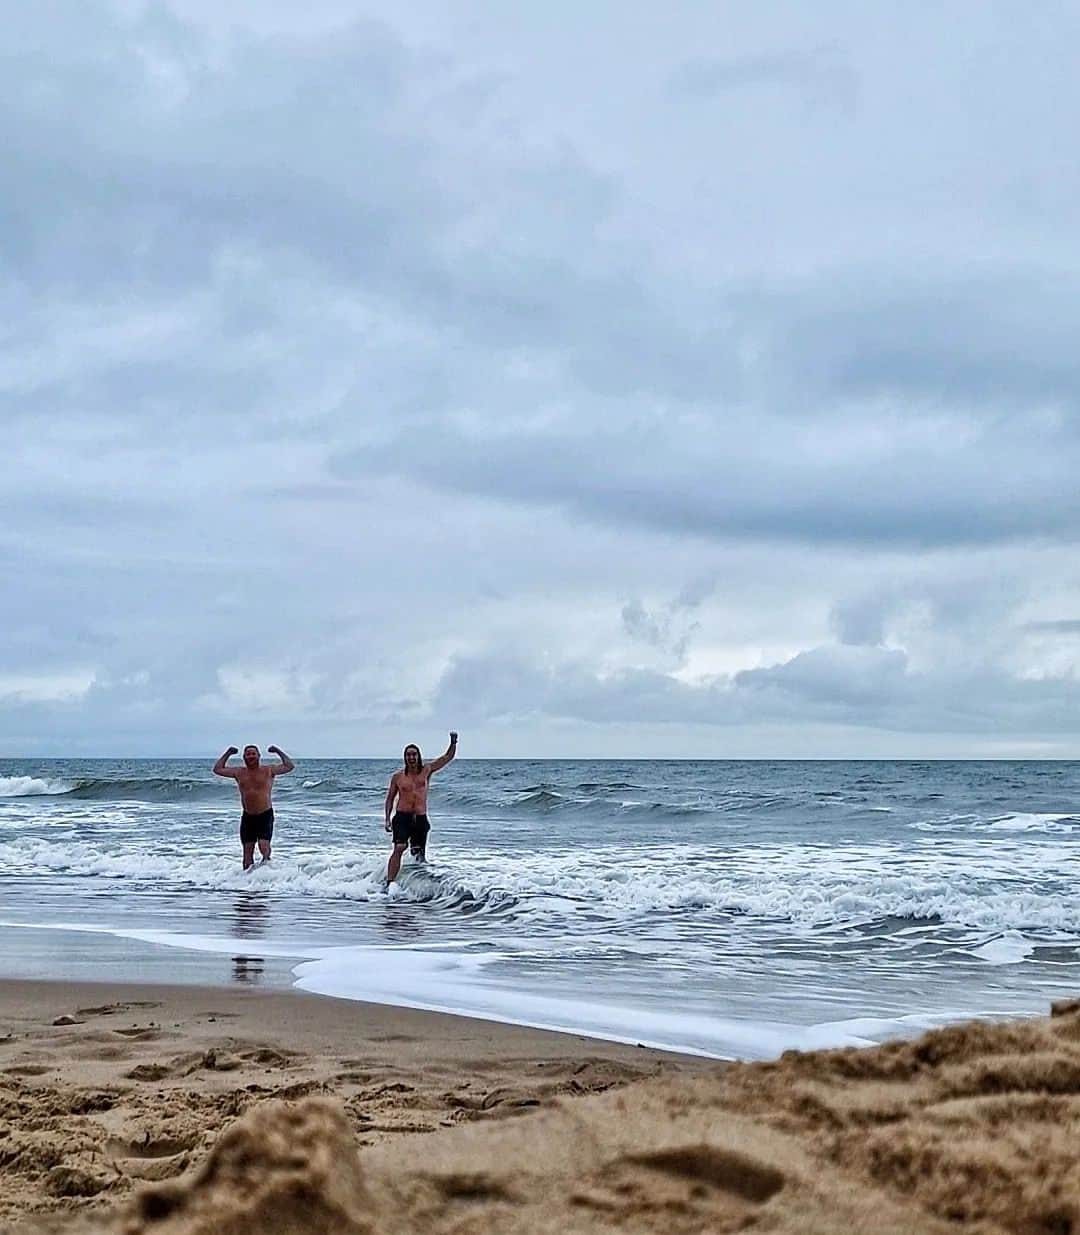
<point x="409" y="788"/>
<point x="255" y="780"/>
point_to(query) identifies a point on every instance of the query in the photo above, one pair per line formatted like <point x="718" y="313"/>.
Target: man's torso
<point x="255" y="785"/>
<point x="412" y="793"/>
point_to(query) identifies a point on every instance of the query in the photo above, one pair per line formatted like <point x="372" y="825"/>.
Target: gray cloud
<point x="988" y="341"/>
<point x="824" y="686"/>
<point x="821" y="76"/>
<point x="1058" y="626"/>
<point x="720" y="480"/>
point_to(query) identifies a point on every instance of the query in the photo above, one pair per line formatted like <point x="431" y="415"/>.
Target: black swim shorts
<point x="256" y="827"/>
<point x="411" y="830"/>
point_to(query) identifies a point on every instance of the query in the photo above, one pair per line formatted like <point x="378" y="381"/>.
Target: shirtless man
<point x="255" y="780"/>
<point x="409" y="786"/>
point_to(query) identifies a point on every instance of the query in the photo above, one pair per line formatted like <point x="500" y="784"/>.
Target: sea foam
<point x="31" y="786"/>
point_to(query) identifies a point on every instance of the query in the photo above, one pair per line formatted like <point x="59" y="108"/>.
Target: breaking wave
<point x="31" y="786"/>
<point x="569" y="890"/>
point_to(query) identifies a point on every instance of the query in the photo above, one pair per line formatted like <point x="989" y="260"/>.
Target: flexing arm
<point x="443" y="760"/>
<point x="220" y="769"/>
<point x="286" y="764"/>
<point x="391" y="795"/>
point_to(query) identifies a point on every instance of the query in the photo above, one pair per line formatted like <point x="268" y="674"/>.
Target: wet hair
<point x="419" y="756"/>
<point x="250" y="746"/>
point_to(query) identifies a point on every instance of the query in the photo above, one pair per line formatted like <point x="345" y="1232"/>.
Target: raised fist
<point x="233" y="750"/>
<point x="453" y="737"/>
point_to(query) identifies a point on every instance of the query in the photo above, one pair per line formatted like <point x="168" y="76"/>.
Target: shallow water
<point x="735" y="908"/>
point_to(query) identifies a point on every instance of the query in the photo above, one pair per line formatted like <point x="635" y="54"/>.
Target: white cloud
<point x="255" y="689"/>
<point x="24" y="688"/>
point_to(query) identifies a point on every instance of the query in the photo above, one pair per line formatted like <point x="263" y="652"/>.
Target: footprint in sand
<point x="147" y="1147"/>
<point x="151" y="1159"/>
<point x="502" y="1099"/>
<point x="473" y="1187"/>
<point x="301" y="1089"/>
<point x="148" y="1072"/>
<point x="110" y="1009"/>
<point x="717" y="1184"/>
<point x="212" y="1060"/>
<point x="725" y="1169"/>
<point x="88" y="1102"/>
<point x="270" y="1058"/>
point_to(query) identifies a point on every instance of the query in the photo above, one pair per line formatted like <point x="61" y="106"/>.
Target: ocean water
<point x="735" y="909"/>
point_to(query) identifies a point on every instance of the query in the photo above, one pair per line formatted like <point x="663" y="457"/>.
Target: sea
<point x="729" y="909"/>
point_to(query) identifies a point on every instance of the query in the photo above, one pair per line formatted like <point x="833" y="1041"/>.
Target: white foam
<point x="1029" y="822"/>
<point x="1008" y="949"/>
<point x="31" y="786"/>
<point x="812" y="887"/>
<point x="450" y="983"/>
<point x="1019" y="822"/>
<point x="336" y="877"/>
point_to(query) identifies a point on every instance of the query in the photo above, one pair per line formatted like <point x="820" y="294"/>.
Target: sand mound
<point x="973" y="1127"/>
<point x="290" y="1169"/>
<point x="974" y="1124"/>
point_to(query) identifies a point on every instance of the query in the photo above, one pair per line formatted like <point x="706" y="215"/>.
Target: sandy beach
<point x="105" y="1086"/>
<point x="181" y="1110"/>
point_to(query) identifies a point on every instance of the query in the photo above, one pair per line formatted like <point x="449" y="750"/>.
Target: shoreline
<point x="424" y="980"/>
<point x="24" y="1001"/>
<point x="236" y="968"/>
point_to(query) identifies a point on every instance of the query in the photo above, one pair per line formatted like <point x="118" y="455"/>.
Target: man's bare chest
<point x="254" y="781"/>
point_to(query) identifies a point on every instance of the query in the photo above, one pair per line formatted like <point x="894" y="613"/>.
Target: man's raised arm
<point x="443" y="760"/>
<point x="286" y="764"/>
<point x="220" y="769"/>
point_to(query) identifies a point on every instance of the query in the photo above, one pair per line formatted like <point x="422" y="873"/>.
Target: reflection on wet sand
<point x="248" y="969"/>
<point x="251" y="915"/>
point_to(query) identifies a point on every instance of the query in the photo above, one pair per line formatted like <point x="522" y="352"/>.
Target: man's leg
<point x="249" y="854"/>
<point x="264" y="848"/>
<point x="418" y="838"/>
<point x="394" y="865"/>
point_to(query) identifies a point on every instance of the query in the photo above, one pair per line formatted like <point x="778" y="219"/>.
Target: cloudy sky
<point x="596" y="379"/>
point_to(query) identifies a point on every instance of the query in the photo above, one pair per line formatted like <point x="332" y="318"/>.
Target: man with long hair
<point x="255" y="780"/>
<point x="409" y="789"/>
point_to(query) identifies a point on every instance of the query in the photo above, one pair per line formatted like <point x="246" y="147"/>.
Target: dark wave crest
<point x="149" y="789"/>
<point x="537" y="797"/>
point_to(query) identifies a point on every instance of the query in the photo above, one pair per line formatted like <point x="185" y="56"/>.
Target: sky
<point x="603" y="380"/>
